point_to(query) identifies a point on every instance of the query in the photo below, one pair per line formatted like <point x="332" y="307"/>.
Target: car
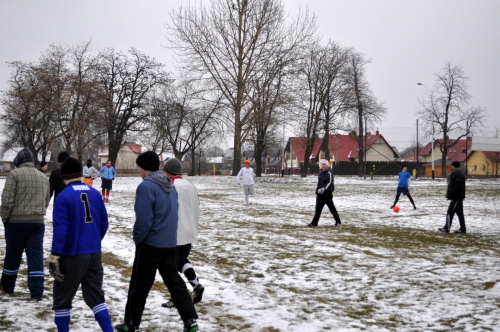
<point x="216" y="173"/>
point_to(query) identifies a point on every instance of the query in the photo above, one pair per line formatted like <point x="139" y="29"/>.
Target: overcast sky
<point x="407" y="42"/>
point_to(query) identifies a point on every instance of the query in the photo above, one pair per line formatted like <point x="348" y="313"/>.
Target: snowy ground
<point x="264" y="270"/>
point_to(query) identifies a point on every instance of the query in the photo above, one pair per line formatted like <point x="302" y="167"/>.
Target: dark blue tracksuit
<point x="325" y="182"/>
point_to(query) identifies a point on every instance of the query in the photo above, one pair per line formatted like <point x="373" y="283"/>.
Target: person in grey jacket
<point x="455" y="193"/>
<point x="155" y="237"/>
<point x="25" y="198"/>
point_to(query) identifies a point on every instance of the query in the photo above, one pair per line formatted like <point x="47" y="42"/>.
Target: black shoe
<point x="414" y="208"/>
<point x="197" y="293"/>
<point x="191" y="326"/>
<point x="460" y="231"/>
<point x="444" y="230"/>
<point x="392" y="207"/>
<point x="338" y="223"/>
<point x="312" y="225"/>
<point x="37" y="299"/>
<point x="126" y="328"/>
<point x="169" y="304"/>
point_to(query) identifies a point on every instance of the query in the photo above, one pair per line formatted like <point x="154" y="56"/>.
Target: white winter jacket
<point x="188" y="211"/>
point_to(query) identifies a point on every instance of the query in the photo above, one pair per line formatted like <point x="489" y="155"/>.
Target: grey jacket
<point x="25" y="196"/>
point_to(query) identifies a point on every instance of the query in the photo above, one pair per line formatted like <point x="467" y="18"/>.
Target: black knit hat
<point x="148" y="161"/>
<point x="71" y="169"/>
<point x="61" y="157"/>
<point x="455" y="164"/>
<point x="23" y="156"/>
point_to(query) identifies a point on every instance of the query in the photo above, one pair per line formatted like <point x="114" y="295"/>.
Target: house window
<point x="475" y="167"/>
<point x="484" y="167"/>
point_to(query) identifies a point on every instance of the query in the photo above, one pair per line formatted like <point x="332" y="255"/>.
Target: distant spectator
<point x="455" y="193"/>
<point x="89" y="173"/>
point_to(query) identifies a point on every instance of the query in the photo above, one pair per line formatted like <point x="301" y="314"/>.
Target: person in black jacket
<point x="324" y="192"/>
<point x="456" y="194"/>
<point x="56" y="182"/>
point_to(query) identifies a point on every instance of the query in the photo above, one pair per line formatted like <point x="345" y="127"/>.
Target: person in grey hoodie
<point x="155" y="237"/>
<point x="25" y="198"/>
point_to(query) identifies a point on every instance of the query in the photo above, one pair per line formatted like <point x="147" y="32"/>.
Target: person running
<point x="455" y="193"/>
<point x="25" y="198"/>
<point x="89" y="173"/>
<point x="80" y="223"/>
<point x="324" y="193"/>
<point x="403" y="186"/>
<point x="55" y="180"/>
<point x="107" y="174"/>
<point x="187" y="230"/>
<point x="155" y="238"/>
<point x="248" y="184"/>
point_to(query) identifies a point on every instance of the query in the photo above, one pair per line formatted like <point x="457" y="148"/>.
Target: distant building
<point x="125" y="161"/>
<point x="9" y="155"/>
<point x="483" y="163"/>
<point x="341" y="148"/>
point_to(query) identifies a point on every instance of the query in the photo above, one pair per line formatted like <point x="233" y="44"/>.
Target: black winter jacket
<point x="456" y="185"/>
<point x="325" y="180"/>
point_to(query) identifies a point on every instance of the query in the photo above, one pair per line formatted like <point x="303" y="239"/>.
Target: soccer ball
<point x="396" y="209"/>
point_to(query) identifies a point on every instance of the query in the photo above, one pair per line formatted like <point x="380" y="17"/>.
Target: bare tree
<point x="445" y="111"/>
<point x="365" y="106"/>
<point x="27" y="119"/>
<point x="230" y="42"/>
<point x="126" y="82"/>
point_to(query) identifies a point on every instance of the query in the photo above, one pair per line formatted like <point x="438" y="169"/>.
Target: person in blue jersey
<point x="155" y="237"/>
<point x="324" y="193"/>
<point x="107" y="174"/>
<point x="403" y="186"/>
<point x="246" y="173"/>
<point x="80" y="223"/>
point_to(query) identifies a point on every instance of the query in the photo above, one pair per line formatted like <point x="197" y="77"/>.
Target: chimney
<point x="353" y="135"/>
<point x="377" y="133"/>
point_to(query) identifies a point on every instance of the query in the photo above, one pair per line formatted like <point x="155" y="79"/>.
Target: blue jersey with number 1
<point x="80" y="221"/>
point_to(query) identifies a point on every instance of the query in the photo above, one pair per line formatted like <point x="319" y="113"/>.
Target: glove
<point x="321" y="190"/>
<point x="54" y="271"/>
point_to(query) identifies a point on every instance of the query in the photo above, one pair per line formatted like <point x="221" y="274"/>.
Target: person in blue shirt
<point x="80" y="223"/>
<point x="107" y="174"/>
<point x="155" y="237"/>
<point x="324" y="193"/>
<point x="403" y="186"/>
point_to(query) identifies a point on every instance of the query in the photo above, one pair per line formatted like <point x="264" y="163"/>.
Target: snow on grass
<point x="264" y="270"/>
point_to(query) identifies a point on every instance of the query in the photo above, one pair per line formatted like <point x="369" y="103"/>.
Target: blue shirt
<point x="80" y="221"/>
<point x="403" y="179"/>
<point x="156" y="215"/>
<point x="107" y="172"/>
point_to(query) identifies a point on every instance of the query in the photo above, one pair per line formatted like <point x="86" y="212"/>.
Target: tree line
<point x="246" y="68"/>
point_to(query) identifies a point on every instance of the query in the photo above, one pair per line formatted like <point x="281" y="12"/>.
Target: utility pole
<point x="416" y="174"/>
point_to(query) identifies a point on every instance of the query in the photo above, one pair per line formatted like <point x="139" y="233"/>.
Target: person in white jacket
<point x="246" y="173"/>
<point x="187" y="229"/>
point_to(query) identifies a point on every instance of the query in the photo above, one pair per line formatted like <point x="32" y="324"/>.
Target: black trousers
<point x="86" y="270"/>
<point x="147" y="260"/>
<point x="321" y="200"/>
<point x="455" y="207"/>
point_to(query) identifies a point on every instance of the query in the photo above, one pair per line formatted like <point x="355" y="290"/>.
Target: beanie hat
<point x="247" y="162"/>
<point x="455" y="164"/>
<point x="61" y="157"/>
<point x="23" y="156"/>
<point x="173" y="166"/>
<point x="71" y="168"/>
<point x="43" y="163"/>
<point x="148" y="161"/>
<point x="325" y="162"/>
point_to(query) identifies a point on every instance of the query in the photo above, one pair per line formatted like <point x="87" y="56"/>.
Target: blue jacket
<point x="107" y="173"/>
<point x="156" y="212"/>
<point x="80" y="221"/>
<point x="325" y="180"/>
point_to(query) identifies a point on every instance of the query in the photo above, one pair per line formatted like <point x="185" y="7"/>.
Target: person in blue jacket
<point x="324" y="193"/>
<point x="80" y="223"/>
<point x="403" y="186"/>
<point x="107" y="174"/>
<point x="155" y="237"/>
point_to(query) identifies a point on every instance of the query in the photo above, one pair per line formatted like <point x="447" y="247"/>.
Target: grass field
<point x="264" y="270"/>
